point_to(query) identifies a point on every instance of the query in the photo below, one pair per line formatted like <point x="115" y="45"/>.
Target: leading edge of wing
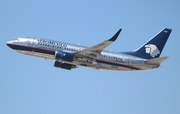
<point x="94" y="50"/>
<point x="115" y="36"/>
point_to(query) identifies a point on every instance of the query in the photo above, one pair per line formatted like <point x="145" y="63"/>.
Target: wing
<point x="95" y="50"/>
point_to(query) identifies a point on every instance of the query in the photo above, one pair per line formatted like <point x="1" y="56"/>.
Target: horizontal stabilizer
<point x="156" y="60"/>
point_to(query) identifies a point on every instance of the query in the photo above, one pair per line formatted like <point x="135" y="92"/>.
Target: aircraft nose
<point x="9" y="44"/>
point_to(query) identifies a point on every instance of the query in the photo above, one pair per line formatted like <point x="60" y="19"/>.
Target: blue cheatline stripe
<point x="29" y="48"/>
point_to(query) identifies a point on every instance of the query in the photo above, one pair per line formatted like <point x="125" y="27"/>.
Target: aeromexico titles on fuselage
<point x="68" y="56"/>
<point x="61" y="45"/>
<point x="51" y="43"/>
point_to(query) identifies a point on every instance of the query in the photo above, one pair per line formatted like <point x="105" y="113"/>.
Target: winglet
<point x="115" y="36"/>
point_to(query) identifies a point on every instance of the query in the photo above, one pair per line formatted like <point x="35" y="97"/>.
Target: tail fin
<point x="153" y="48"/>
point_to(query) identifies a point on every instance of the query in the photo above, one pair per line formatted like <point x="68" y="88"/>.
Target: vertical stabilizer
<point x="153" y="48"/>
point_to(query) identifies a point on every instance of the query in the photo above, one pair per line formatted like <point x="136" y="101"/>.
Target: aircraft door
<point x="31" y="42"/>
<point x="130" y="61"/>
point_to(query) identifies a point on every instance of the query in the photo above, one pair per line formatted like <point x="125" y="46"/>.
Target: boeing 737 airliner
<point x="69" y="56"/>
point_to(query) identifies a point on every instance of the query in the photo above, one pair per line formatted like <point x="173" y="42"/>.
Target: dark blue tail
<point x="153" y="48"/>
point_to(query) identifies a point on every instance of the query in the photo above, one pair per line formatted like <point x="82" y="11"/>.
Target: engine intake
<point x="64" y="56"/>
<point x="63" y="65"/>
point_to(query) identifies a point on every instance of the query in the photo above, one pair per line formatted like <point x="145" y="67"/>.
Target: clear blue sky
<point x="31" y="85"/>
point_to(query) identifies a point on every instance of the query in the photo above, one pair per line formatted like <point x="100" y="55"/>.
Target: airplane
<point x="69" y="56"/>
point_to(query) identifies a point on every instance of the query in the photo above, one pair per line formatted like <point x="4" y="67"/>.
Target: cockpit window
<point x="22" y="39"/>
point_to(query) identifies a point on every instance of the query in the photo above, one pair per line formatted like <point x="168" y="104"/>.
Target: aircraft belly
<point x="111" y="67"/>
<point x="104" y="66"/>
<point x="42" y="55"/>
<point x="37" y="54"/>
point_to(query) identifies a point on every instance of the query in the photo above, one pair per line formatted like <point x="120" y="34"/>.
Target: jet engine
<point x="63" y="65"/>
<point x="65" y="56"/>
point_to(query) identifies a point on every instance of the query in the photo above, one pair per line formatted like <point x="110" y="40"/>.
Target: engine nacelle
<point x="64" y="65"/>
<point x="65" y="56"/>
